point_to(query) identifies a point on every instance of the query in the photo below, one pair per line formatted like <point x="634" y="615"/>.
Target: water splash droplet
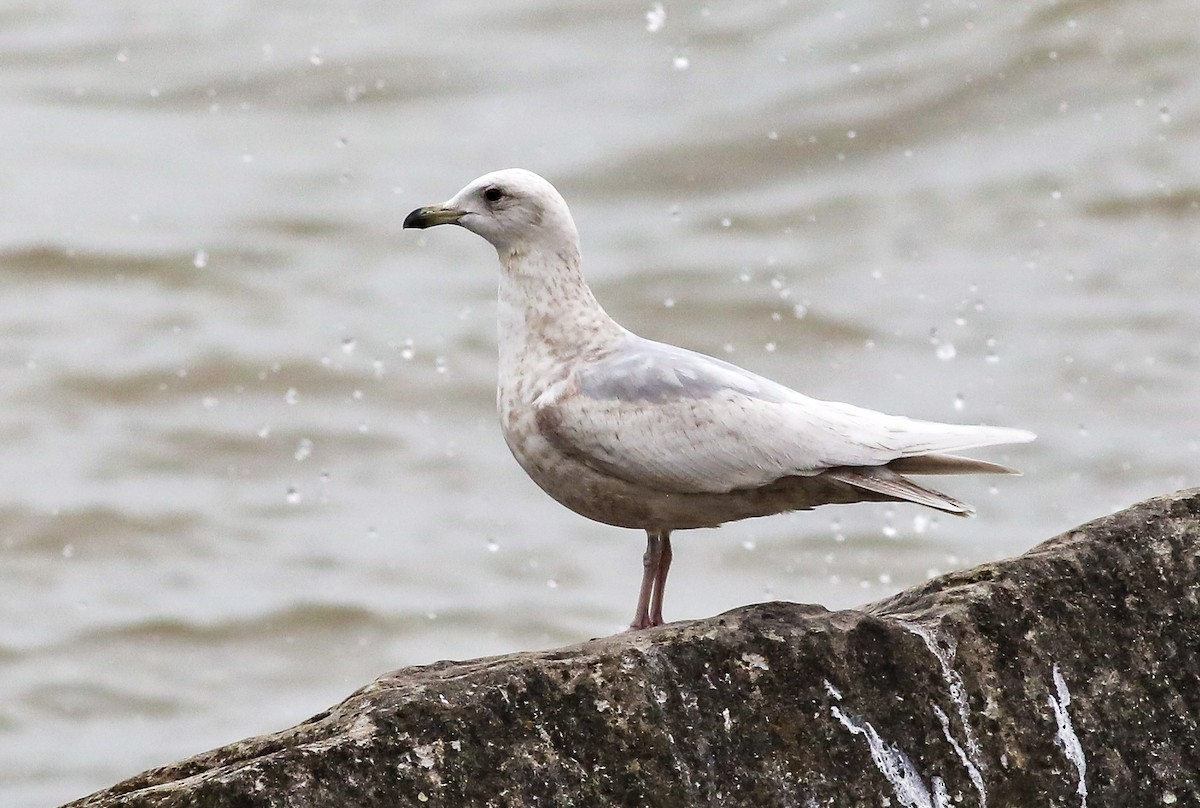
<point x="303" y="450"/>
<point x="946" y="351"/>
<point x="680" y="63"/>
<point x="291" y="396"/>
<point x="200" y="259"/>
<point x="656" y="18"/>
<point x="293" y="496"/>
<point x="349" y="344"/>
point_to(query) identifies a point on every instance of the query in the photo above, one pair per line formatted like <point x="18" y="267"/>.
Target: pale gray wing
<point x="678" y="421"/>
<point x="673" y="420"/>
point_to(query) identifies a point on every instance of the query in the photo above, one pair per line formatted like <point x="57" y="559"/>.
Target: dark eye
<point x="493" y="194"/>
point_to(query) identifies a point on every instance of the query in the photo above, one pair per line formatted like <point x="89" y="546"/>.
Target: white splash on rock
<point x="906" y="781"/>
<point x="943" y="649"/>
<point x="1066" y="737"/>
<point x="967" y="762"/>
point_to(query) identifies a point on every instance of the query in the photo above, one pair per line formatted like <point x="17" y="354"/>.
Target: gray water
<point x="250" y="453"/>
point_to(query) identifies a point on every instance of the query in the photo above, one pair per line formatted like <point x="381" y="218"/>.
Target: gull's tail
<point x="947" y="464"/>
<point x="927" y="437"/>
<point x="925" y="454"/>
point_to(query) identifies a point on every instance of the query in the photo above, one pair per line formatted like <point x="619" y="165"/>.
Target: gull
<point x="640" y="434"/>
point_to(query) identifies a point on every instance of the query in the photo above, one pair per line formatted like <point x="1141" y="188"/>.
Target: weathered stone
<point x="1065" y="677"/>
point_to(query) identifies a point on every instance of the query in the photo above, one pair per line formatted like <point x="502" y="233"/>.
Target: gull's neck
<point x="547" y="315"/>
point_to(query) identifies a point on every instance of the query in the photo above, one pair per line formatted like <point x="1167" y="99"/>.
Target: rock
<point x="1068" y="676"/>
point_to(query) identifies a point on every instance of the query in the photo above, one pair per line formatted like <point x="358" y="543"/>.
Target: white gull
<point x="638" y="434"/>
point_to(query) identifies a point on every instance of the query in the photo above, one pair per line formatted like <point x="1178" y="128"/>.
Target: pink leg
<point x="660" y="580"/>
<point x="650" y="565"/>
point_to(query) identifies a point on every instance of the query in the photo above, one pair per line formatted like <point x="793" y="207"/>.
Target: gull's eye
<point x="493" y="194"/>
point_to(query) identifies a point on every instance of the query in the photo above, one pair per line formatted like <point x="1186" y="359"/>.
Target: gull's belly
<point x="584" y="490"/>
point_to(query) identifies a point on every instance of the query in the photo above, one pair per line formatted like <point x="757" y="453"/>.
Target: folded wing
<point x="677" y="421"/>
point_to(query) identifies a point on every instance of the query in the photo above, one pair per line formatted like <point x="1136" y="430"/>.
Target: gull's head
<point x="514" y="209"/>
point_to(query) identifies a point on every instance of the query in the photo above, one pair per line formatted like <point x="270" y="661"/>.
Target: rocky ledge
<point x="1068" y="676"/>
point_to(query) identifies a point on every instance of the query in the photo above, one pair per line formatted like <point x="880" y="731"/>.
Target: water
<point x="250" y="452"/>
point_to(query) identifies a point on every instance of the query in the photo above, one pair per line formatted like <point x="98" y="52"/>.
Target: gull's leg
<point x="660" y="580"/>
<point x="650" y="564"/>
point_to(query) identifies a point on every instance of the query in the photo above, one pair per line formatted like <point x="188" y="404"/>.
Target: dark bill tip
<point x="428" y="217"/>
